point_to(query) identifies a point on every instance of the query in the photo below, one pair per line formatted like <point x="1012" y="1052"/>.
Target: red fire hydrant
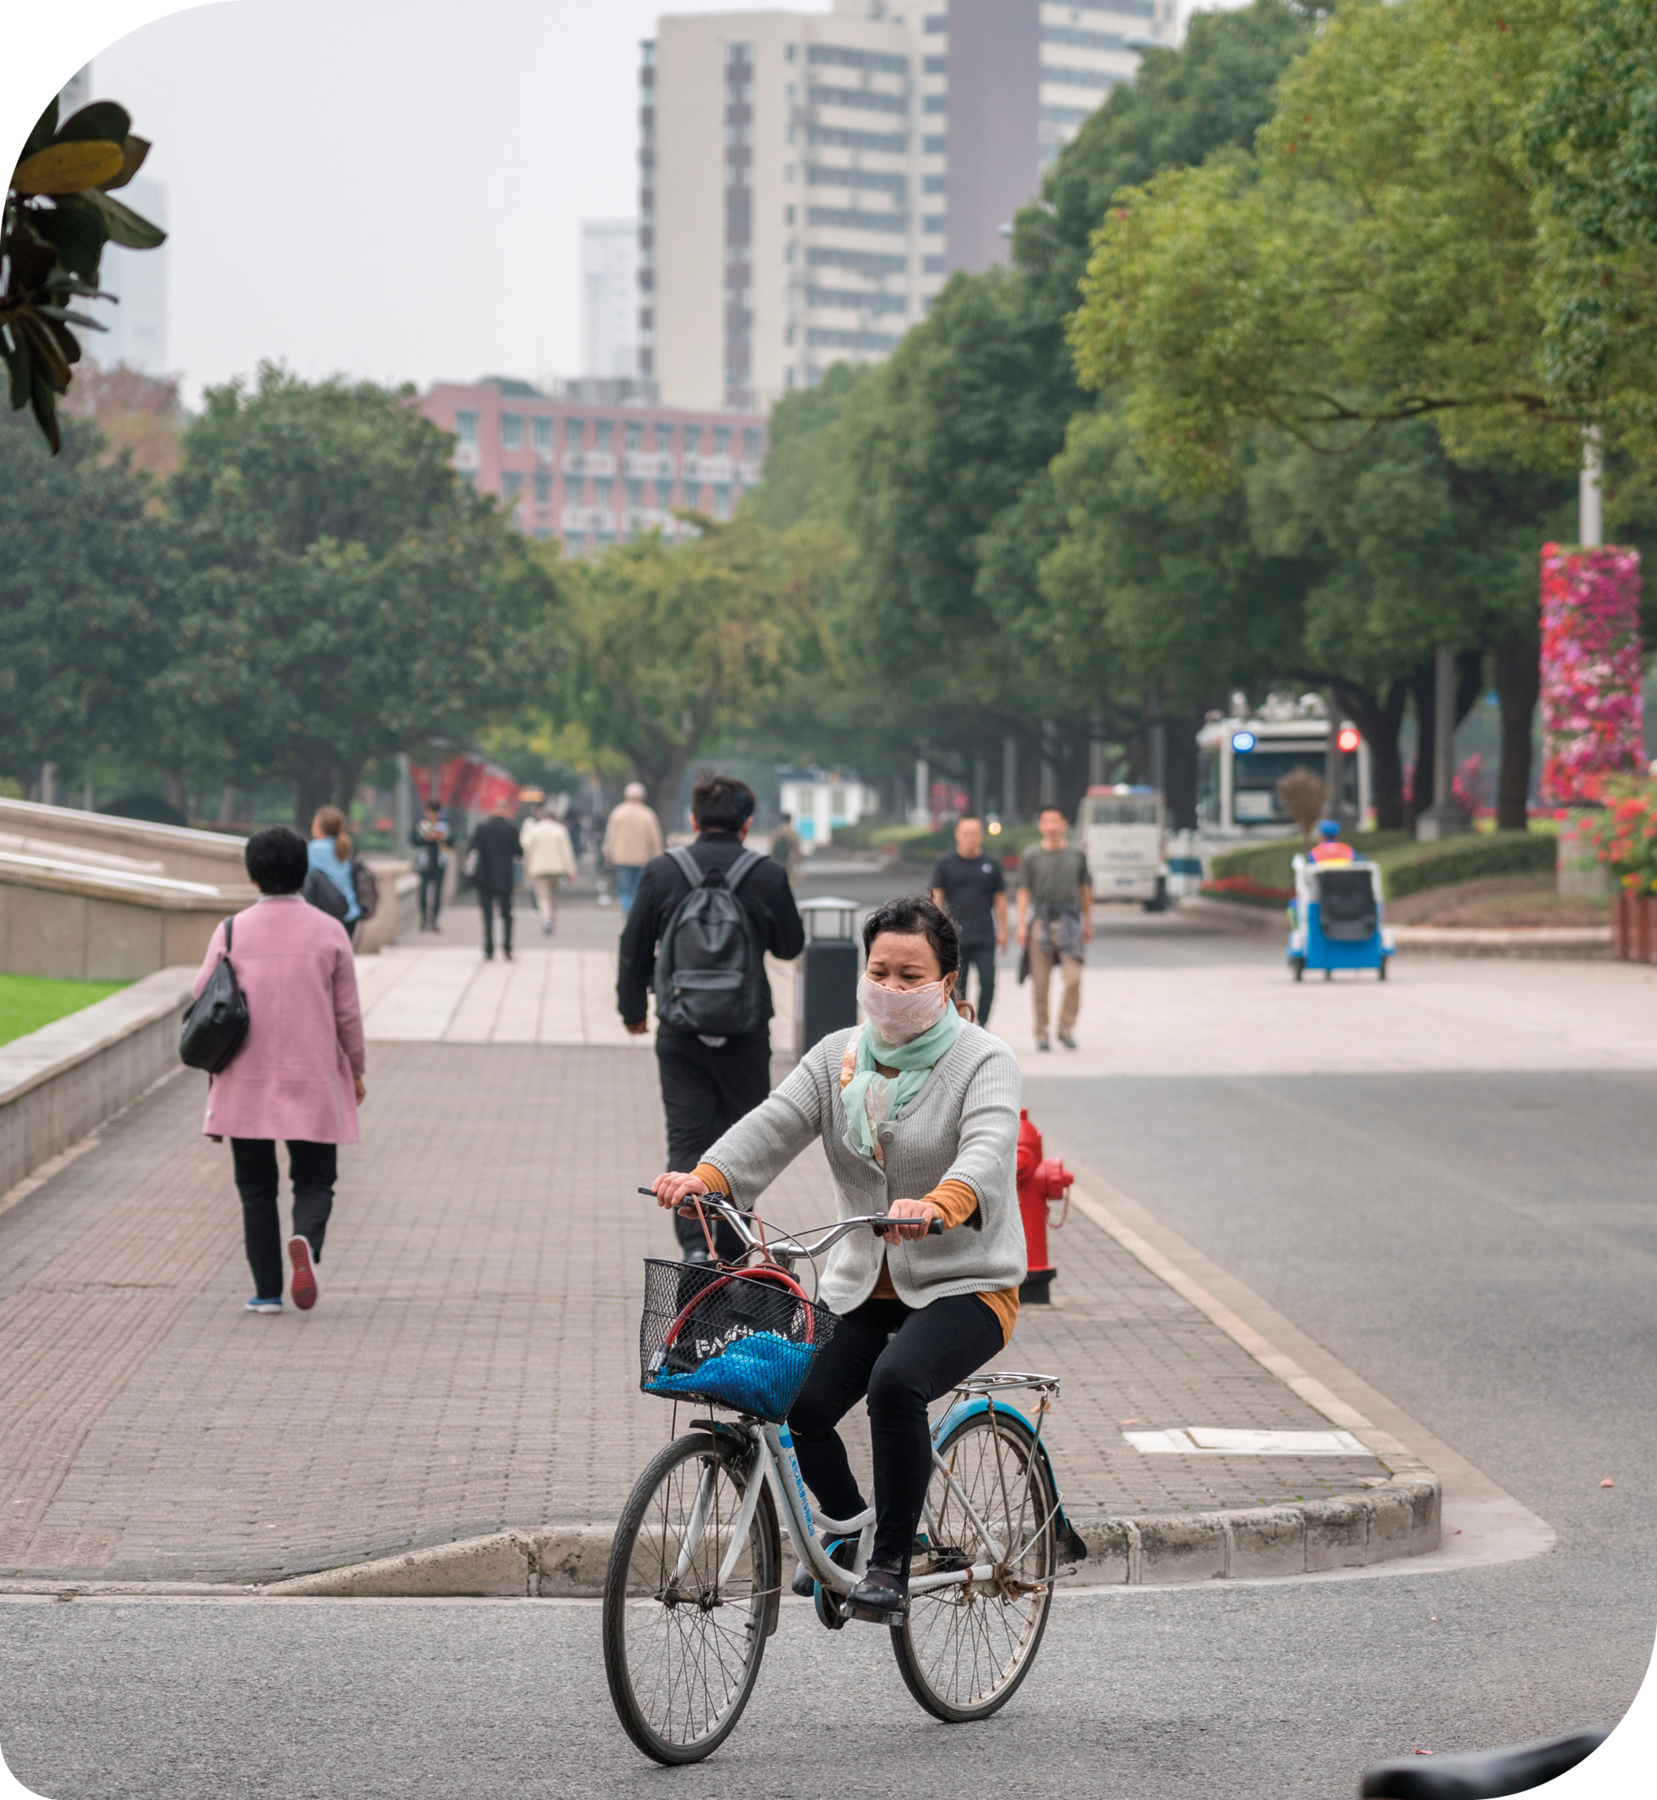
<point x="1040" y="1180"/>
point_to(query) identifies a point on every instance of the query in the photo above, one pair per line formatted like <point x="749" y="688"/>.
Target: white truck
<point x="1121" y="831"/>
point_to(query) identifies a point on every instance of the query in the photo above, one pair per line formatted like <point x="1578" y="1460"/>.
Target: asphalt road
<point x="1479" y="1247"/>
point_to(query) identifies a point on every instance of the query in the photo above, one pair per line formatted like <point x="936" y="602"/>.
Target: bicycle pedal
<point x="893" y="1617"/>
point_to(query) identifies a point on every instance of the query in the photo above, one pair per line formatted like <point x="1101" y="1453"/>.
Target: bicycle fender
<point x="1073" y="1543"/>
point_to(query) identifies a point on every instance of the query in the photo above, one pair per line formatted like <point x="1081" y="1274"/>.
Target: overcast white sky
<point x="389" y="190"/>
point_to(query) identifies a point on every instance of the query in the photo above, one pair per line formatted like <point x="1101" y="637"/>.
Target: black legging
<point x="313" y="1169"/>
<point x="931" y="1348"/>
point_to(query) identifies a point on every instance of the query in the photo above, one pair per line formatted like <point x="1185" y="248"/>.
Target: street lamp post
<point x="1443" y="818"/>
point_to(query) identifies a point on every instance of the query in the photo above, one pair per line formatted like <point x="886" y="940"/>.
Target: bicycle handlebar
<point x="789" y="1241"/>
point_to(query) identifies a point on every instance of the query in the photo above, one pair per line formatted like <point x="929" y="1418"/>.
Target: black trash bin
<point x="825" y="984"/>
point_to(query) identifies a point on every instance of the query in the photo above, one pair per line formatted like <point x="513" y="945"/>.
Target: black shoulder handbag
<point x="215" y="1024"/>
<point x="321" y="892"/>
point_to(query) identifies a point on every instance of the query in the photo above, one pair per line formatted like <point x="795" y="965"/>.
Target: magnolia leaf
<point x="133" y="152"/>
<point x="16" y="353"/>
<point x="45" y="130"/>
<point x="44" y="405"/>
<point x="77" y="231"/>
<point x="48" y="361"/>
<point x="124" y="225"/>
<point x="103" y="119"/>
<point x="68" y="168"/>
<point x="70" y="318"/>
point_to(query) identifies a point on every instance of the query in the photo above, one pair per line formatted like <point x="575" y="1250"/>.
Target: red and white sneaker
<point x="302" y="1288"/>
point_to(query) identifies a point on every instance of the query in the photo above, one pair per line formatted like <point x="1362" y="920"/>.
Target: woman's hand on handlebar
<point x="917" y="1217"/>
<point x="673" y="1190"/>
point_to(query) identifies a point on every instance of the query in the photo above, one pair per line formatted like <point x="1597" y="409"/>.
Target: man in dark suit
<point x="489" y="861"/>
<point x="707" y="1083"/>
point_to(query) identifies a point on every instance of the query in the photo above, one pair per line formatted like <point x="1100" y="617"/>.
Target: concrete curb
<point x="1396" y="1518"/>
<point x="1570" y="943"/>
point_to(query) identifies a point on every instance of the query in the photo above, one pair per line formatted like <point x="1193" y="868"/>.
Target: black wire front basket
<point x="739" y="1338"/>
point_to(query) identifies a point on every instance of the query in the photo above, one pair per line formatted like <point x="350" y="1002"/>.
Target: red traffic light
<point x="1348" y="738"/>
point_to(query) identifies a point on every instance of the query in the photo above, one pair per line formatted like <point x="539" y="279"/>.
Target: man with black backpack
<point x="698" y="933"/>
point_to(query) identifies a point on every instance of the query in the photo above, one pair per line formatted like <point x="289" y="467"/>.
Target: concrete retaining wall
<point x="61" y="1082"/>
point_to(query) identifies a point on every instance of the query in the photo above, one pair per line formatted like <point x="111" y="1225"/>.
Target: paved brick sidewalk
<point x="473" y="1361"/>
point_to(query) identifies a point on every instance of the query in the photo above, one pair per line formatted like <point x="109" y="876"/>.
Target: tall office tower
<point x="807" y="182"/>
<point x="609" y="297"/>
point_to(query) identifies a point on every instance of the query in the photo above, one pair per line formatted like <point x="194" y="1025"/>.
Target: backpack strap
<point x="735" y="874"/>
<point x="687" y="865"/>
<point x="229" y="926"/>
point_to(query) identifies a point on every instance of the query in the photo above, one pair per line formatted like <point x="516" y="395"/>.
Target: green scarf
<point x="914" y="1061"/>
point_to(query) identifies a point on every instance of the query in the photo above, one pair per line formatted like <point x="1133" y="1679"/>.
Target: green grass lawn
<point x="29" y="1001"/>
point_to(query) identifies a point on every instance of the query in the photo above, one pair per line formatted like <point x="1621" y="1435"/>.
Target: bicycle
<point x="694" y="1584"/>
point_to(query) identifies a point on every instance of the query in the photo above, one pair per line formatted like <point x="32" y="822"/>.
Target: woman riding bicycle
<point x="918" y="1114"/>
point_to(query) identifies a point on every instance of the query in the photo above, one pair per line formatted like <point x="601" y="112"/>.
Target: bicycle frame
<point x="774" y="1463"/>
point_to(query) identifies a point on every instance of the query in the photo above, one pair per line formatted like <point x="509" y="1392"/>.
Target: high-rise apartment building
<point x="610" y="297"/>
<point x="808" y="181"/>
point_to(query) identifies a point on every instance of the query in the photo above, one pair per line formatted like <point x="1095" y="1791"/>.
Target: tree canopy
<point x="345" y="596"/>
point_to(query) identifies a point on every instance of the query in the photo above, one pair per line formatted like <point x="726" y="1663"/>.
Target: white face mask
<point x="902" y="1014"/>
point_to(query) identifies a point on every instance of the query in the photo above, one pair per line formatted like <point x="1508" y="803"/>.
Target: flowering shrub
<point x="1624" y="835"/>
<point x="1246" y="889"/>
<point x="1591" y="723"/>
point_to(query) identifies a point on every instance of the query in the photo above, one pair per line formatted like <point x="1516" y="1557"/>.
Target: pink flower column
<point x="1591" y="714"/>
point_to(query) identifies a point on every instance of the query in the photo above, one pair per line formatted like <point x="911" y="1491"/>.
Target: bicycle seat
<point x="1480" y="1774"/>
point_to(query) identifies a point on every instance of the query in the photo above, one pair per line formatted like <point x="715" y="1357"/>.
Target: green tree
<point x="1591" y="140"/>
<point x="347" y="598"/>
<point x="1375" y="262"/>
<point x="86" y="601"/>
<point x="680" y="644"/>
<point x="946" y="447"/>
<point x="59" y="212"/>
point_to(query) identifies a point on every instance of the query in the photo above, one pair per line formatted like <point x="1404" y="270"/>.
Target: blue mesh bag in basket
<point x="741" y="1338"/>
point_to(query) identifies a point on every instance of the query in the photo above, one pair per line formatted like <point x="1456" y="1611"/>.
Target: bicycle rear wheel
<point x="963" y="1650"/>
<point x="682" y="1648"/>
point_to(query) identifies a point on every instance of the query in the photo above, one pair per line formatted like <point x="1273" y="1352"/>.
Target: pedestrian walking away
<point x="298" y="1076"/>
<point x="330" y="855"/>
<point x="917" y="1112"/>
<point x="970" y="887"/>
<point x="710" y="1078"/>
<point x="1055" y="921"/>
<point x="549" y="858"/>
<point x="490" y="857"/>
<point x="430" y="838"/>
<point x="785" y="846"/>
<point x="631" y="838"/>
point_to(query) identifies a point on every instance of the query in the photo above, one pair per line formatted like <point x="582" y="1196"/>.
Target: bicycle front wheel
<point x="963" y="1650"/>
<point x="682" y="1647"/>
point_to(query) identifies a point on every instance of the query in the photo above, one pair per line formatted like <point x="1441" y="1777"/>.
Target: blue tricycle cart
<point x="1335" y="918"/>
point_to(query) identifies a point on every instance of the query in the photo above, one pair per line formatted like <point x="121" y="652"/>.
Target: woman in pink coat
<point x="298" y="1074"/>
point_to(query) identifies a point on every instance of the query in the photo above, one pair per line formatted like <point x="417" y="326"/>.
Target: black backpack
<point x="215" y="1025"/>
<point x="710" y="970"/>
<point x="366" y="886"/>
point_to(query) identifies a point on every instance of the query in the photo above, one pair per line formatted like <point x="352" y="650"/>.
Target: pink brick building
<point x="591" y="473"/>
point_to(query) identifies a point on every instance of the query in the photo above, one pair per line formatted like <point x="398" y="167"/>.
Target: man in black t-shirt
<point x="968" y="885"/>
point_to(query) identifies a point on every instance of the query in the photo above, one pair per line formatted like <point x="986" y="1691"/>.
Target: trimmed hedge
<point x="1474" y="857"/>
<point x="1271" y="864"/>
<point x="1406" y="866"/>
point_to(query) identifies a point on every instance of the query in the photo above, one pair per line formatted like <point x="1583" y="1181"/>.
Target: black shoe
<point x="840" y="1552"/>
<point x="882" y="1597"/>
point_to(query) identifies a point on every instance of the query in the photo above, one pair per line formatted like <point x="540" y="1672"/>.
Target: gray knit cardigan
<point x="961" y="1126"/>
